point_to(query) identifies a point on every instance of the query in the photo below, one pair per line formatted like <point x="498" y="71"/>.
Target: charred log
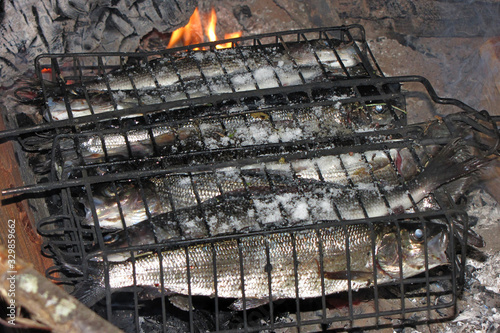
<point x="31" y="27"/>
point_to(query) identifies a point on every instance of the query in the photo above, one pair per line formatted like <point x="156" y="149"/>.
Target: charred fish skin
<point x="282" y="252"/>
<point x="207" y="134"/>
<point x="337" y="203"/>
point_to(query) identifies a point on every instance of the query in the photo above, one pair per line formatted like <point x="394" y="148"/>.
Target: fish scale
<point x="252" y="178"/>
<point x="166" y="71"/>
<point x="290" y="254"/>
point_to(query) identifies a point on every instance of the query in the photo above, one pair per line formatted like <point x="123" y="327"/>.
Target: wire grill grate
<point x="189" y="162"/>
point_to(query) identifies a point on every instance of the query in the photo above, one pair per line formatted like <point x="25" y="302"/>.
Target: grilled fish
<point x="232" y="131"/>
<point x="163" y="193"/>
<point x="345" y="203"/>
<point x="202" y="74"/>
<point x="318" y="255"/>
<point x="263" y="63"/>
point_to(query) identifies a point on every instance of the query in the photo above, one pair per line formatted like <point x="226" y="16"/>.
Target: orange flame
<point x="231" y="35"/>
<point x="192" y="33"/>
<point x="210" y="31"/>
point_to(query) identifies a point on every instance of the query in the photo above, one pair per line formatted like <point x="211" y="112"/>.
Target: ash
<point x="479" y="304"/>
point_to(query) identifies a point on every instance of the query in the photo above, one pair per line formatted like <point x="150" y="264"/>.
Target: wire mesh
<point x="188" y="223"/>
<point x="261" y="165"/>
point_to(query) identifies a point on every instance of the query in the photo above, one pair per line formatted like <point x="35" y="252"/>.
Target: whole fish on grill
<point x="292" y="204"/>
<point x="242" y="129"/>
<point x="268" y="264"/>
<point x="202" y="74"/>
<point x="184" y="191"/>
<point x="209" y="64"/>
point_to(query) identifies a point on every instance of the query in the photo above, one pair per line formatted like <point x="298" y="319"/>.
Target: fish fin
<point x="180" y="302"/>
<point x="473" y="238"/>
<point x="89" y="292"/>
<point x="92" y="290"/>
<point x="444" y="168"/>
<point x="355" y="275"/>
<point x="490" y="176"/>
<point x="250" y="303"/>
<point x="457" y="188"/>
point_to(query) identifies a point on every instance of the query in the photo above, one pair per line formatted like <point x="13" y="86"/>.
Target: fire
<point x="210" y="31"/>
<point x="192" y="33"/>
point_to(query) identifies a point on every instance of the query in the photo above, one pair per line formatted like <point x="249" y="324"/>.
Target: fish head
<point x="56" y="109"/>
<point x="125" y="197"/>
<point x="136" y="235"/>
<point x="406" y="247"/>
<point x="60" y="109"/>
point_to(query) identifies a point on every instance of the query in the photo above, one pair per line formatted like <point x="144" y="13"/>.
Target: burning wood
<point x="30" y="27"/>
<point x="192" y="33"/>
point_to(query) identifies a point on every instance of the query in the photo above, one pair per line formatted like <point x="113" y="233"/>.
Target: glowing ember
<point x="192" y="33"/>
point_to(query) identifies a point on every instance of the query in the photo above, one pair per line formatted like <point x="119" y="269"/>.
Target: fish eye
<point x="110" y="238"/>
<point x="418" y="235"/>
<point x="112" y="191"/>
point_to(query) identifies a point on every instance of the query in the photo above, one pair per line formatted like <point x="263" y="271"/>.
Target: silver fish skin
<point x="217" y="63"/>
<point x="159" y="82"/>
<point x="252" y="252"/>
<point x="94" y="148"/>
<point x="365" y="200"/>
<point x="251" y="128"/>
<point x="80" y="107"/>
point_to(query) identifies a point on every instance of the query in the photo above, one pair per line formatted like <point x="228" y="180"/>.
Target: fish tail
<point x="490" y="178"/>
<point x="91" y="290"/>
<point x="446" y="167"/>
